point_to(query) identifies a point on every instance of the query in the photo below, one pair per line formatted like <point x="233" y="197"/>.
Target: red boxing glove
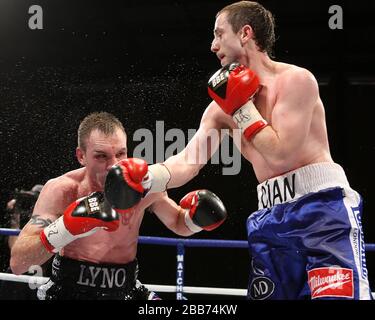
<point x="81" y="219"/>
<point x="204" y="210"/>
<point x="124" y="184"/>
<point x="232" y="87"/>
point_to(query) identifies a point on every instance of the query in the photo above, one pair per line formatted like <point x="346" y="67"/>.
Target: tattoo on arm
<point x="36" y="220"/>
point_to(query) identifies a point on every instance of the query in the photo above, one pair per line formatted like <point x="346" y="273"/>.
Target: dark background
<point x="150" y="60"/>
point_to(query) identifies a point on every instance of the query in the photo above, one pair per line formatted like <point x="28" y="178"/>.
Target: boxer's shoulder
<point x="292" y="74"/>
<point x="295" y="83"/>
<point x="74" y="177"/>
<point x="53" y="199"/>
<point x="66" y="185"/>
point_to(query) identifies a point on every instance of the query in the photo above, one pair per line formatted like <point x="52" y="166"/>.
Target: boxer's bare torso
<point x="119" y="246"/>
<point x="296" y="135"/>
<point x="313" y="144"/>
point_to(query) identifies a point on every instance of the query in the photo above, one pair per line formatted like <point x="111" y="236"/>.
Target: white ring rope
<point x="23" y="278"/>
<point x="153" y="287"/>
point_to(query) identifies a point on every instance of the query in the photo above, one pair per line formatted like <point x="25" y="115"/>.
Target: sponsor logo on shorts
<point x="261" y="288"/>
<point x="358" y="234"/>
<point x="331" y="282"/>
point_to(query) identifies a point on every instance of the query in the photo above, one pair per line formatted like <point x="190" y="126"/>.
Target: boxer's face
<point x="101" y="153"/>
<point x="226" y="44"/>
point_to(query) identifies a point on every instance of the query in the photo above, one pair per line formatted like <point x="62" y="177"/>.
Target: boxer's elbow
<point x="281" y="156"/>
<point x="16" y="264"/>
<point x="276" y="160"/>
<point x="19" y="261"/>
<point x="281" y="162"/>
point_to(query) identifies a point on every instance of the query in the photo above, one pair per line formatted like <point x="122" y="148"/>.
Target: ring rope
<point x="152" y="287"/>
<point x="208" y="243"/>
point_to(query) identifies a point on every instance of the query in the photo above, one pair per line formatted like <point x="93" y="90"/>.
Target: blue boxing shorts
<point x="306" y="239"/>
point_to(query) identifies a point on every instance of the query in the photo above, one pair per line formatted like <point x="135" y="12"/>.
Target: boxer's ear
<point x="246" y="34"/>
<point x="81" y="156"/>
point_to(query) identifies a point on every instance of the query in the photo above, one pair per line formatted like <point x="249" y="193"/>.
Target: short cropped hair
<point x="105" y="122"/>
<point x="260" y="19"/>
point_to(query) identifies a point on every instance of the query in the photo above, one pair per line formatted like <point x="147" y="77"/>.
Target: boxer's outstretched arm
<point x="130" y="178"/>
<point x="186" y="165"/>
<point x="28" y="250"/>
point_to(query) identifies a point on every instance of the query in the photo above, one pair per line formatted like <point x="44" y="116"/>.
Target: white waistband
<point x="296" y="183"/>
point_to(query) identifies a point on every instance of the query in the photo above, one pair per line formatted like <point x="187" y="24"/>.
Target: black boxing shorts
<point x="82" y="280"/>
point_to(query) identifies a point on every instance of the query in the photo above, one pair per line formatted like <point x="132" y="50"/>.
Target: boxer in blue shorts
<point x="306" y="241"/>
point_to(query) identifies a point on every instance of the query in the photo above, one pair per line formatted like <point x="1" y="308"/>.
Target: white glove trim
<point x="159" y="176"/>
<point x="190" y="224"/>
<point x="57" y="234"/>
<point x="247" y="115"/>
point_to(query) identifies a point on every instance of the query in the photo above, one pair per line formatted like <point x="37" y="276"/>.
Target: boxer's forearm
<point x="28" y="251"/>
<point x="184" y="166"/>
<point x="173" y="173"/>
<point x="181" y="169"/>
